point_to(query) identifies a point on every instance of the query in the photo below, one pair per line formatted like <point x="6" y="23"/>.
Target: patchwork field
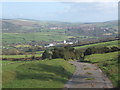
<point x="108" y="62"/>
<point x="36" y="74"/>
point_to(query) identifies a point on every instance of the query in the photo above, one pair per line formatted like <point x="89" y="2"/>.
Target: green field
<point x="37" y="36"/>
<point x="21" y="56"/>
<point x="108" y="44"/>
<point x="108" y="62"/>
<point x="36" y="74"/>
<point x="39" y="52"/>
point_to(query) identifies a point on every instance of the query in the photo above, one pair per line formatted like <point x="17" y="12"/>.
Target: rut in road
<point x="88" y="76"/>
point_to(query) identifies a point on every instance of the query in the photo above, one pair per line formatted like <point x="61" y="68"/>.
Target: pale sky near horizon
<point x="61" y="11"/>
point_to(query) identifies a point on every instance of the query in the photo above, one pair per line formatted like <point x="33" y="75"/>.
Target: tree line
<point x="95" y="50"/>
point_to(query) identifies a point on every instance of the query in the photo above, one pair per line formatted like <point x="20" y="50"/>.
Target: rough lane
<point x="88" y="76"/>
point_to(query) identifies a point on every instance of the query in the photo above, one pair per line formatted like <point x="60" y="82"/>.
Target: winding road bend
<point x="88" y="76"/>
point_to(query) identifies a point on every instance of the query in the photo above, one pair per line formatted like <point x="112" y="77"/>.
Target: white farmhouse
<point x="64" y="41"/>
<point x="50" y="45"/>
<point x="70" y="42"/>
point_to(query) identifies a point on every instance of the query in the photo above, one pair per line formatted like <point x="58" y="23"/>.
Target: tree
<point x="88" y="51"/>
<point x="106" y="49"/>
<point x="47" y="54"/>
<point x="114" y="49"/>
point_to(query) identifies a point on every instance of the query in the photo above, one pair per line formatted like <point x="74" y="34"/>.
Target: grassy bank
<point x="36" y="74"/>
<point x="108" y="62"/>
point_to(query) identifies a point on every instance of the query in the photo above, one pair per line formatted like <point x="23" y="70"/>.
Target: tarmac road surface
<point x="88" y="76"/>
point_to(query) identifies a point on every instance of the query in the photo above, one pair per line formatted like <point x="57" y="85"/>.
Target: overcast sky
<point x="74" y="11"/>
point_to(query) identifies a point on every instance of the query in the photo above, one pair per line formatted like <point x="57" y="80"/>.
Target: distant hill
<point x="101" y="29"/>
<point x="73" y="31"/>
<point x="23" y="25"/>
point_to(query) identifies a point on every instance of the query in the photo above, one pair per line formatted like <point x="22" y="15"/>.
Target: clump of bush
<point x="62" y="52"/>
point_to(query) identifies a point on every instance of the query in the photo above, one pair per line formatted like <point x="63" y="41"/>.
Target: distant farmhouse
<point x="50" y="45"/>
